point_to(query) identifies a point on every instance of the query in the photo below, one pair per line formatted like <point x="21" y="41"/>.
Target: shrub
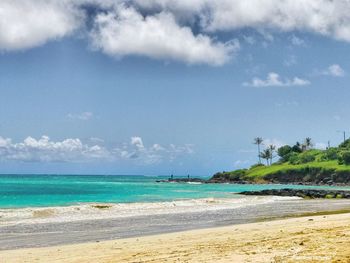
<point x="293" y="158"/>
<point x="306" y="157"/>
<point x="234" y="175"/>
<point x="284" y="150"/>
<point x="331" y="154"/>
<point x="346" y="157"/>
<point x="345" y="144"/>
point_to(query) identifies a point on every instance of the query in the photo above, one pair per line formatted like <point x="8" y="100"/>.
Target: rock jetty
<point x="304" y="193"/>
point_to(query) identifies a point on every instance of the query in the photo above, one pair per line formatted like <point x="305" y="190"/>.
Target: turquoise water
<point x="58" y="190"/>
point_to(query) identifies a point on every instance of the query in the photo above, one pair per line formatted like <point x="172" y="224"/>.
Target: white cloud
<point x="29" y="23"/>
<point x="325" y="17"/>
<point x="96" y="140"/>
<point x="155" y="153"/>
<point x="334" y="70"/>
<point x="74" y="150"/>
<point x="84" y="116"/>
<point x="46" y="150"/>
<point x="137" y="142"/>
<point x="162" y="29"/>
<point x="296" y="41"/>
<point x="249" y="39"/>
<point x="274" y="80"/>
<point x="124" y="31"/>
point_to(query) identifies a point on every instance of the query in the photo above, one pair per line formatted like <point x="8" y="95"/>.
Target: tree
<point x="345" y="144"/>
<point x="297" y="147"/>
<point x="308" y="143"/>
<point x="284" y="150"/>
<point x="258" y="141"/>
<point x="272" y="149"/>
<point x="267" y="155"/>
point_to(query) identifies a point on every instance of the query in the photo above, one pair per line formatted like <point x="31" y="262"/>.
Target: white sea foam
<point x="91" y="211"/>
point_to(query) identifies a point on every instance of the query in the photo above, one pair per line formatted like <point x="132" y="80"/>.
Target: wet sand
<point x="305" y="239"/>
<point x="34" y="233"/>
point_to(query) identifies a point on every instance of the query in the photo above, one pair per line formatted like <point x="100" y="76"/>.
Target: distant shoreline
<point x="214" y="180"/>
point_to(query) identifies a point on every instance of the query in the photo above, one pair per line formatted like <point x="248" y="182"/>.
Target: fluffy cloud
<point x="334" y="70"/>
<point x="164" y="29"/>
<point x="124" y="31"/>
<point x="27" y="24"/>
<point x="137" y="151"/>
<point x="45" y="150"/>
<point x="274" y="80"/>
<point x="74" y="150"/>
<point x="325" y="17"/>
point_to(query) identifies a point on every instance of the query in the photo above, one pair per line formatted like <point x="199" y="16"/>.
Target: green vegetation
<point x="299" y="163"/>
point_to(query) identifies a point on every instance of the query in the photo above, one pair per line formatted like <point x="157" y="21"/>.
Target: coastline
<point x="223" y="180"/>
<point x="322" y="238"/>
<point x="50" y="229"/>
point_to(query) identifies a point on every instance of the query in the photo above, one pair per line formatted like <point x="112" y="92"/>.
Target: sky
<point x="159" y="87"/>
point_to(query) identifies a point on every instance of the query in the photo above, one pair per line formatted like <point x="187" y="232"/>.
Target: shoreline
<point x="40" y="233"/>
<point x="101" y="210"/>
<point x="303" y="239"/>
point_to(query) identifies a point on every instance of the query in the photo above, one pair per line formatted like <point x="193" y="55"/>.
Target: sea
<point x="45" y="210"/>
<point x="31" y="190"/>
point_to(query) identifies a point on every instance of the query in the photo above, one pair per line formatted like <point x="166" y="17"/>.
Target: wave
<point x="94" y="211"/>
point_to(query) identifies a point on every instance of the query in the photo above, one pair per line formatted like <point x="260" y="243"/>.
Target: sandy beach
<point x="323" y="238"/>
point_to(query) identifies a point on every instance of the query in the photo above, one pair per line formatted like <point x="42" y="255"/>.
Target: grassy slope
<point x="261" y="171"/>
<point x="321" y="167"/>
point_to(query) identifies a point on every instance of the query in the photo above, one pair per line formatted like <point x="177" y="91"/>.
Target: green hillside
<point x="299" y="163"/>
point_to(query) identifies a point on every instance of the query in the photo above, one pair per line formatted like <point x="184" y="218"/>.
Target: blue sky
<point x="130" y="87"/>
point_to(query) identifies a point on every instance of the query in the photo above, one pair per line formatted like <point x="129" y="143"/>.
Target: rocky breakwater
<point x="183" y="180"/>
<point x="304" y="193"/>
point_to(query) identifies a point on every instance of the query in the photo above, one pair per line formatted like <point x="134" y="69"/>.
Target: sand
<point x="305" y="239"/>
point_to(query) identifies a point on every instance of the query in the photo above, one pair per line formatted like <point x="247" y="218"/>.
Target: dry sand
<point x="306" y="239"/>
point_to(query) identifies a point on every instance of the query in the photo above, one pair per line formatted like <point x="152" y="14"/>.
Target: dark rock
<point x="310" y="193"/>
<point x="182" y="180"/>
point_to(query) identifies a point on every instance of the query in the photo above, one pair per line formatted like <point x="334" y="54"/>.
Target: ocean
<point x="45" y="210"/>
<point x="19" y="191"/>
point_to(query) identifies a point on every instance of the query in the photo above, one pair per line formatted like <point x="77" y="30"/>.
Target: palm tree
<point x="308" y="143"/>
<point x="272" y="149"/>
<point x="266" y="154"/>
<point x="258" y="141"/>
